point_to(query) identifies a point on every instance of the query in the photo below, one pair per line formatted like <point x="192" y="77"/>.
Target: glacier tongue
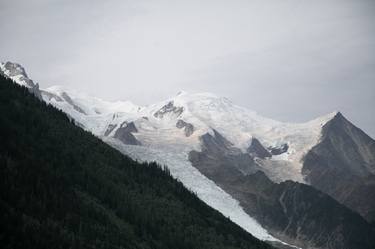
<point x="164" y="141"/>
<point x="157" y="126"/>
<point x="180" y="167"/>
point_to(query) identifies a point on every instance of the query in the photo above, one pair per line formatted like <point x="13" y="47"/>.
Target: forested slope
<point x="62" y="187"/>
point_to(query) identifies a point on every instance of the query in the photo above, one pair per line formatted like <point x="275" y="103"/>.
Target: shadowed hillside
<point x="61" y="187"/>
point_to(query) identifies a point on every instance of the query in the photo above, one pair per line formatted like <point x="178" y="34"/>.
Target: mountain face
<point x="17" y="73"/>
<point x="296" y="213"/>
<point x="247" y="166"/>
<point x="342" y="164"/>
<point x="61" y="187"/>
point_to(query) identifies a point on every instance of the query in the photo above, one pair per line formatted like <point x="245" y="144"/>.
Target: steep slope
<point x="342" y="164"/>
<point x="64" y="188"/>
<point x="18" y="74"/>
<point x="294" y="212"/>
<point x="194" y="133"/>
<point x="118" y="122"/>
<point x="183" y="119"/>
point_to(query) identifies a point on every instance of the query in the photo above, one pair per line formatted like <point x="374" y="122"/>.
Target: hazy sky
<point x="290" y="60"/>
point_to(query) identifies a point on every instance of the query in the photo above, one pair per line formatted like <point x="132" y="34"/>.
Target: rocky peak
<point x="167" y="109"/>
<point x="14" y="69"/>
<point x="125" y="133"/>
<point x="342" y="164"/>
<point x="256" y="149"/>
<point x="129" y="126"/>
<point x="18" y="74"/>
<point x="356" y="148"/>
<point x="215" y="143"/>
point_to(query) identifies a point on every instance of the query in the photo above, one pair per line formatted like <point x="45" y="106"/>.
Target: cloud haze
<point x="290" y="60"/>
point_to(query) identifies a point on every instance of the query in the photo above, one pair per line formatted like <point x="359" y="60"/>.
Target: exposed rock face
<point x="306" y="217"/>
<point x="169" y="108"/>
<point x="66" y="97"/>
<point x="17" y="73"/>
<point x="14" y="69"/>
<point x="219" y="152"/>
<point x="188" y="128"/>
<point x="180" y="124"/>
<point x="129" y="127"/>
<point x="256" y="149"/>
<point x="278" y="150"/>
<point x="110" y="128"/>
<point x="343" y="165"/>
<point x="49" y="96"/>
<point x="294" y="212"/>
<point x="124" y="133"/>
<point x="340" y="165"/>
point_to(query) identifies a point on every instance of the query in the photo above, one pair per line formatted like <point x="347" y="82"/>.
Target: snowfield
<point x="166" y="142"/>
<point x="205" y="112"/>
<point x="180" y="167"/>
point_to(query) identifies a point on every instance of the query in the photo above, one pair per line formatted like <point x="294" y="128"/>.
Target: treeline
<point x="61" y="187"/>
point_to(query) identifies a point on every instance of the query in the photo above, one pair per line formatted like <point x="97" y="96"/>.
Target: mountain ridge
<point x="169" y="132"/>
<point x="62" y="187"/>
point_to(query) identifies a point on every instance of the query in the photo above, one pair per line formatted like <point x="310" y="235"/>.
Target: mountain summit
<point x="277" y="180"/>
<point x="62" y="187"/>
<point x="18" y="74"/>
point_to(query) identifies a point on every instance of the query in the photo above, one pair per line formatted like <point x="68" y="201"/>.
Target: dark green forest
<point x="62" y="187"/>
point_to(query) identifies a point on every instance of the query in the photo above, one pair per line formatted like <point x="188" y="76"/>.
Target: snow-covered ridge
<point x="160" y="128"/>
<point x="17" y="73"/>
<point x="206" y="190"/>
<point x="93" y="105"/>
<point x="157" y="123"/>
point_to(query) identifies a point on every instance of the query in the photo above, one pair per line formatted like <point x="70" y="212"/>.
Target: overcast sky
<point x="291" y="60"/>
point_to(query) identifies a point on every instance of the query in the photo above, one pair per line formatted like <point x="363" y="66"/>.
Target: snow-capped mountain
<point x="103" y="118"/>
<point x="181" y="121"/>
<point x="18" y="74"/>
<point x="231" y="156"/>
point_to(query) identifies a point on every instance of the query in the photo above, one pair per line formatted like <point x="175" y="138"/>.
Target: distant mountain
<point x="342" y="164"/>
<point x="293" y="212"/>
<point x="242" y="164"/>
<point x="18" y="74"/>
<point x="61" y="187"/>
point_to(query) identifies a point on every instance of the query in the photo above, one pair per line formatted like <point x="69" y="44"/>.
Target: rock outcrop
<point x="256" y="149"/>
<point x="124" y="133"/>
<point x="343" y="166"/>
<point x="109" y="129"/>
<point x="294" y="212"/>
<point x="169" y="108"/>
<point x="278" y="150"/>
<point x="188" y="128"/>
<point x="217" y="151"/>
<point x="18" y="74"/>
